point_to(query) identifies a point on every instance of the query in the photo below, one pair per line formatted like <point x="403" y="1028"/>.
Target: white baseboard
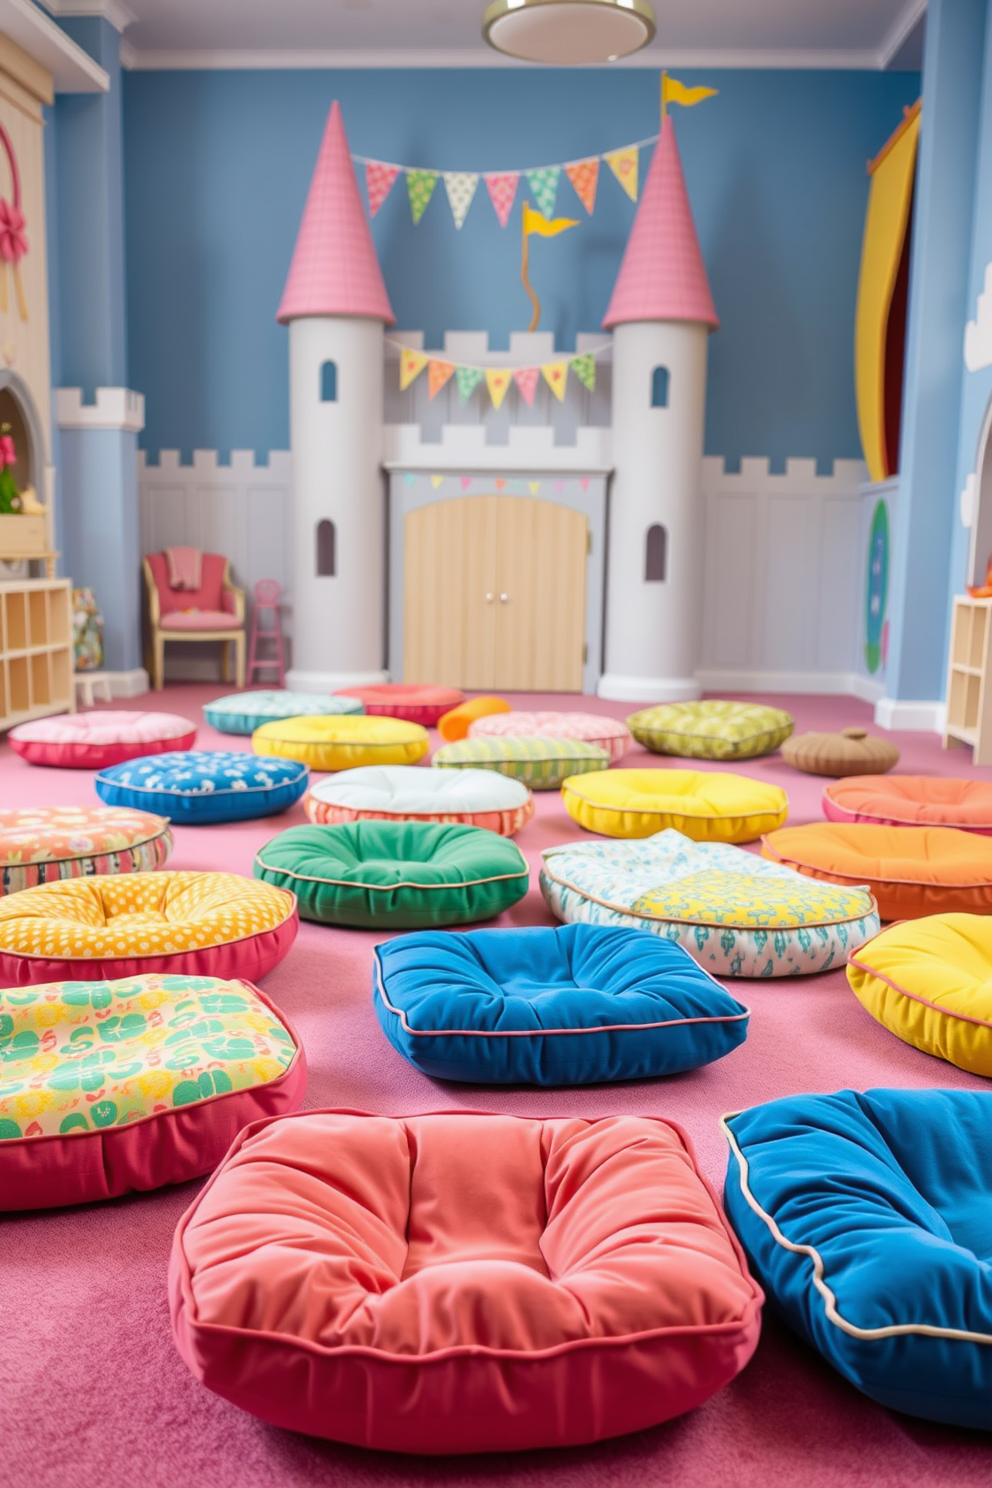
<point x="851" y="683"/>
<point x="900" y="713"/>
<point x="332" y="681"/>
<point x="621" y="689"/>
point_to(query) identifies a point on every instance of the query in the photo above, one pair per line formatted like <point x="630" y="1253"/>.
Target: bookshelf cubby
<point x="36" y="658"/>
<point x="969" y="693"/>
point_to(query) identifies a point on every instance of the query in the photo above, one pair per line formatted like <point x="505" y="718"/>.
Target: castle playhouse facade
<point x="466" y="582"/>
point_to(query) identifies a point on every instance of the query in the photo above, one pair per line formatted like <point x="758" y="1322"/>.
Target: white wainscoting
<point x="783" y="577"/>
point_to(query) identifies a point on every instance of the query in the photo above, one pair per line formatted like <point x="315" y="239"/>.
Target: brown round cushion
<point x="851" y="752"/>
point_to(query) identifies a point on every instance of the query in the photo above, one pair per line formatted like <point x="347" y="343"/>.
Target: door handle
<point x="504" y="599"/>
<point x="489" y="599"/>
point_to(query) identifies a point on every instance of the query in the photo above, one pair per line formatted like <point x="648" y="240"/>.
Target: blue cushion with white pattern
<point x="197" y="787"/>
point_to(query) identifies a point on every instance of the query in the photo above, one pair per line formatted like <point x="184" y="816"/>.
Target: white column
<point x="653" y="629"/>
<point x="338" y="621"/>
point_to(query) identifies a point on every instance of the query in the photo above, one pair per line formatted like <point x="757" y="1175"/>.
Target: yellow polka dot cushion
<point x="111" y="1086"/>
<point x="190" y="924"/>
<point x="711" y="729"/>
<point x="718" y="903"/>
<point x="342" y="742"/>
<point x="708" y="806"/>
<point x="929" y="982"/>
<point x="44" y="843"/>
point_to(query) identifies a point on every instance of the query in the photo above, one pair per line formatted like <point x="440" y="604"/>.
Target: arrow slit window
<point x="326" y="550"/>
<point x="656" y="554"/>
<point x="659" y="387"/>
<point x="329" y="382"/>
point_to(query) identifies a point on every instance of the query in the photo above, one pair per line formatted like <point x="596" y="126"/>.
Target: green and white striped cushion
<point x="542" y="763"/>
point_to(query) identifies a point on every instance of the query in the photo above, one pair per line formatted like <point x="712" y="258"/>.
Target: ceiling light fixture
<point x="568" y="32"/>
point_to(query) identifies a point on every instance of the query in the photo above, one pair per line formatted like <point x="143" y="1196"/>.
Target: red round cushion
<point x="90" y="741"/>
<point x="461" y="1282"/>
<point x="121" y="1085"/>
<point x="416" y="703"/>
<point x="911" y="801"/>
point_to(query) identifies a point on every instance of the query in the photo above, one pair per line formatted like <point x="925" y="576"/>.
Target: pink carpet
<point x="93" y="1394"/>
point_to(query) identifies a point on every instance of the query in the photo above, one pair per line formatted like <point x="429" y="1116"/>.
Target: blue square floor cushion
<point x="569" y="1006"/>
<point x="867" y="1219"/>
<point x="197" y="787"/>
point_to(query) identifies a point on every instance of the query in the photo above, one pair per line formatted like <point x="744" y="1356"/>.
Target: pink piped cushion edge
<point x="92" y="741"/>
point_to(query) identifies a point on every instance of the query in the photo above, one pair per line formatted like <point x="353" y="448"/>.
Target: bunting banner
<point x="543" y="184"/>
<point x="584" y="178"/>
<point x="526" y="380"/>
<point x="460" y="186"/>
<point x="497" y="380"/>
<point x="502" y="190"/>
<point x="420" y="188"/>
<point x="468" y="379"/>
<point x="412" y="363"/>
<point x="556" y="376"/>
<point x="438" y="373"/>
<point x="624" y="165"/>
<point x="379" y="180"/>
<point x="584" y="367"/>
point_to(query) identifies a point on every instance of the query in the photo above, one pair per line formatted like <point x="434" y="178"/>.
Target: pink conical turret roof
<point x="662" y="276"/>
<point x="335" y="270"/>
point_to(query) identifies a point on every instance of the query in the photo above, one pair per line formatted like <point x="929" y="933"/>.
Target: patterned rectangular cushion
<point x="541" y="763"/>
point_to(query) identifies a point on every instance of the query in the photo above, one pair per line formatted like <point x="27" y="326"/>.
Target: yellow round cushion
<point x="708" y="806"/>
<point x="929" y="982"/>
<point x="342" y="741"/>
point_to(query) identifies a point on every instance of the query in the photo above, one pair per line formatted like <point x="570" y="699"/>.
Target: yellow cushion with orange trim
<point x="930" y="983"/>
<point x="342" y="741"/>
<point x="708" y="806"/>
<point x="912" y="871"/>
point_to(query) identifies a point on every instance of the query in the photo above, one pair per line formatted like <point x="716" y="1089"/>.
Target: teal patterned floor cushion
<point x="715" y="900"/>
<point x="542" y="763"/>
<point x="244" y="712"/>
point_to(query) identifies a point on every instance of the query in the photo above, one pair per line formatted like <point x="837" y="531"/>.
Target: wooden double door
<point x="495" y="594"/>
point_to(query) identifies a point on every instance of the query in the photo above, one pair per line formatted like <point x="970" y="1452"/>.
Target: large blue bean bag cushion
<point x="569" y="1006"/>
<point x="244" y="712"/>
<point x="868" y="1221"/>
<point x="198" y="787"/>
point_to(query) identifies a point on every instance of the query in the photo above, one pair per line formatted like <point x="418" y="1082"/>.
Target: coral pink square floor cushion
<point x="91" y="741"/>
<point x="414" y="702"/>
<point x="461" y="1282"/>
<point x="911" y="801"/>
<point x="41" y="844"/>
<point x="106" y="1087"/>
<point x="126" y="924"/>
<point x="609" y="733"/>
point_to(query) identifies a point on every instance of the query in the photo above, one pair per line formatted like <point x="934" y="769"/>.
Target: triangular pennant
<point x="409" y="476"/>
<point x="500" y="483"/>
<point x="533" y="487"/>
<point x="420" y="188"/>
<point x="412" y="363"/>
<point x="559" y="487"/>
<point x="584" y="176"/>
<point x="584" y="483"/>
<point x="460" y="186"/>
<point x="623" y="164"/>
<point x="379" y="179"/>
<point x="544" y="186"/>
<point x="437" y="375"/>
<point x="526" y="380"/>
<point x="584" y="367"/>
<point x="498" y="379"/>
<point x="465" y="481"/>
<point x="502" y="190"/>
<point x="556" y="376"/>
<point x="468" y="379"/>
<point x="436" y="480"/>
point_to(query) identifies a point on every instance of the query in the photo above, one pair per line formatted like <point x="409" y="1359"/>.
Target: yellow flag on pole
<point x="498" y="379"/>
<point x="623" y="164"/>
<point x="536" y="222"/>
<point x="412" y="363"/>
<point x="672" y="91"/>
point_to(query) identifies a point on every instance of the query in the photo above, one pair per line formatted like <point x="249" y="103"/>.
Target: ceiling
<point x="423" y="33"/>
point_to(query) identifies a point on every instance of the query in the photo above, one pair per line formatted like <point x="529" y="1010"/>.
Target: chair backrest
<point x="207" y="597"/>
<point x="267" y="592"/>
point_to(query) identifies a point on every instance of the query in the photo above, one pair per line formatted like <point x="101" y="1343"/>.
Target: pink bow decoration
<point x="13" y="243"/>
<point x="8" y="454"/>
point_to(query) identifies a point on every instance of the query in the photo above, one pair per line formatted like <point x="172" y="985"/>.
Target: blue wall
<point x="217" y="166"/>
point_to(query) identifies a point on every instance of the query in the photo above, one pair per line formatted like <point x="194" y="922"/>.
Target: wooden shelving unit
<point x="36" y="658"/>
<point x="969" y="693"/>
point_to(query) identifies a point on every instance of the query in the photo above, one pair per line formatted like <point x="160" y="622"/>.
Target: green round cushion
<point x="711" y="729"/>
<point x="401" y="875"/>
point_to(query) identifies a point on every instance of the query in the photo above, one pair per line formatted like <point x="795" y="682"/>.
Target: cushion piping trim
<point x="830" y="1308"/>
<point x="347" y="883"/>
<point x="902" y="821"/>
<point x="836" y="876"/>
<point x="915" y="997"/>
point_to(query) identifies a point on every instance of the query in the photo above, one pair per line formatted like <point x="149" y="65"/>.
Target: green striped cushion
<point x="542" y="763"/>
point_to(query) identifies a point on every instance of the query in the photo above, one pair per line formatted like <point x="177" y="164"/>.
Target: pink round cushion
<point x="416" y="703"/>
<point x="609" y="733"/>
<point x="90" y="741"/>
<point x="461" y="1282"/>
<point x="911" y="801"/>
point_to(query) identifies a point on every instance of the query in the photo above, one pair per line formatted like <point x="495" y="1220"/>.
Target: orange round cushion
<point x="454" y="725"/>
<point x="911" y="871"/>
<point x="911" y="801"/>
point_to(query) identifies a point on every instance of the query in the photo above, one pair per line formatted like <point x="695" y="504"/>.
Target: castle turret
<point x="661" y="314"/>
<point x="336" y="305"/>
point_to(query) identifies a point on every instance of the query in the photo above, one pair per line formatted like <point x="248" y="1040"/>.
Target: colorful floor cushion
<point x="123" y="925"/>
<point x="851" y="752"/>
<point x="866" y="1218"/>
<point x="734" y="913"/>
<point x="106" y="1087"/>
<point x="414" y="702"/>
<point x="711" y="729"/>
<point x="711" y="806"/>
<point x="405" y="875"/>
<point x="244" y="712"/>
<point x="539" y="762"/>
<point x="454" y="724"/>
<point x="42" y="844"/>
<point x="91" y="741"/>
<point x="609" y="733"/>
<point x="205" y="786"/>
<point x="578" y="1005"/>
<point x="342" y="743"/>
<point x="911" y="871"/>
<point x="461" y="1282"/>
<point x="475" y="798"/>
<point x="911" y="801"/>
<point x="930" y="983"/>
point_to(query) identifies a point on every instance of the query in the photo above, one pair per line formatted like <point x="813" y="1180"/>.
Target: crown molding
<point x="72" y="69"/>
<point x="114" y="11"/>
<point x="910" y="16"/>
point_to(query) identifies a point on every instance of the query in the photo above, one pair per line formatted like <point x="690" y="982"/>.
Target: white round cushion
<point x="476" y="798"/>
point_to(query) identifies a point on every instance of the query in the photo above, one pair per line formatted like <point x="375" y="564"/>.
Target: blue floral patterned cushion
<point x="244" y="712"/>
<point x="199" y="786"/>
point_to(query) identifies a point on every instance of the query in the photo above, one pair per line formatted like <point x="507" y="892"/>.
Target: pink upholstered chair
<point x="214" y="612"/>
